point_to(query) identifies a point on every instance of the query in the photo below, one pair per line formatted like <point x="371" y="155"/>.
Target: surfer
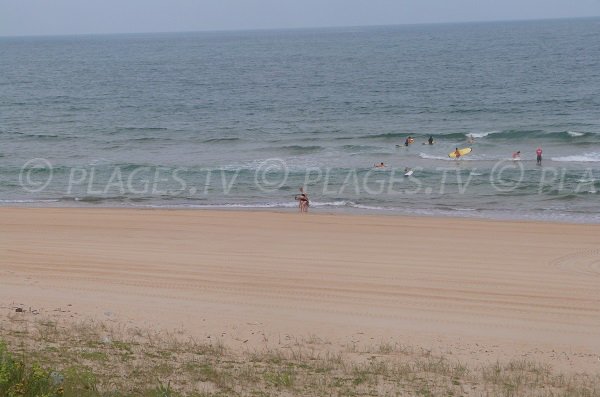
<point x="430" y="140"/>
<point x="516" y="155"/>
<point x="380" y="165"/>
<point x="302" y="199"/>
<point x="408" y="140"/>
<point x="538" y="152"/>
<point x="457" y="153"/>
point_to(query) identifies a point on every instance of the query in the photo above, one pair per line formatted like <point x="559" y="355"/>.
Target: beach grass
<point x="84" y="358"/>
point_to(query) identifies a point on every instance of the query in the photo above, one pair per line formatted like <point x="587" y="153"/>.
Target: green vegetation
<point x="42" y="358"/>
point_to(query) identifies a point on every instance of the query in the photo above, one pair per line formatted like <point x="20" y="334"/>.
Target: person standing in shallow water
<point x="302" y="199"/>
<point x="538" y="152"/>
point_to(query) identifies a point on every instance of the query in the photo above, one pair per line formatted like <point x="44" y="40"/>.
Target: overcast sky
<point x="50" y="17"/>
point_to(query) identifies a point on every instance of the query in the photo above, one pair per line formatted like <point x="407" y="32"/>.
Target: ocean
<point x="243" y="119"/>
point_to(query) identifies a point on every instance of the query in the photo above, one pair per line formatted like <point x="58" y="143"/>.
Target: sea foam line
<point x="580" y="158"/>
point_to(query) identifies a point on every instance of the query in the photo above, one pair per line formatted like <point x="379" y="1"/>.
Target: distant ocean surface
<point x="242" y="119"/>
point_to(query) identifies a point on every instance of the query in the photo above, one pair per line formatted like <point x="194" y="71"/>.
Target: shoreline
<point x="292" y="209"/>
<point x="481" y="289"/>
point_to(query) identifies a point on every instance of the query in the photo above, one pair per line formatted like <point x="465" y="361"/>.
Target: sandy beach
<point x="479" y="290"/>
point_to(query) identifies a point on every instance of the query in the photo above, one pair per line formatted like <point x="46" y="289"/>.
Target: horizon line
<point x="296" y="28"/>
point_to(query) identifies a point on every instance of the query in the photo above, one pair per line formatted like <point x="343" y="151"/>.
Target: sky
<point x="58" y="17"/>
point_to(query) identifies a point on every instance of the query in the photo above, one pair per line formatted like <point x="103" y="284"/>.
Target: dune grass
<point x="51" y="358"/>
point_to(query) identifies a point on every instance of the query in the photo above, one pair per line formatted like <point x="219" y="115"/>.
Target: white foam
<point x="481" y="134"/>
<point x="432" y="157"/>
<point x="207" y="206"/>
<point x="290" y="204"/>
<point x="344" y="203"/>
<point x="446" y="158"/>
<point x="99" y="161"/>
<point x="16" y="201"/>
<point x="291" y="164"/>
<point x="575" y="133"/>
<point x="579" y="158"/>
<point x="370" y="207"/>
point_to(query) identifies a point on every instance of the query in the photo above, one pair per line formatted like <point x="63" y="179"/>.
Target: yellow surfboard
<point x="463" y="151"/>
